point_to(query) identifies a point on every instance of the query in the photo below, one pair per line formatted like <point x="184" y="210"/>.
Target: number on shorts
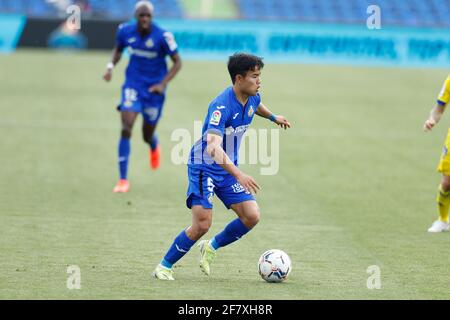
<point x="210" y="184"/>
<point x="130" y="94"/>
<point x="152" y="113"/>
<point x="237" y="188"/>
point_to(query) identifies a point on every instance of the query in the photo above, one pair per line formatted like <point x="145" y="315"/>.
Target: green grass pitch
<point x="356" y="185"/>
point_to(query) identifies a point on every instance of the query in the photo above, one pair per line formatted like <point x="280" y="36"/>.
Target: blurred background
<point x="409" y="33"/>
<point x="432" y="13"/>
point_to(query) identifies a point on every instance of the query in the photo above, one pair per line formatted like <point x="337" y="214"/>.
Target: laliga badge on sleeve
<point x="215" y="117"/>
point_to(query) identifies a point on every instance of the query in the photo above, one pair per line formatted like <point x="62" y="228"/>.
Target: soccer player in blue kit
<point x="212" y="167"/>
<point x="145" y="84"/>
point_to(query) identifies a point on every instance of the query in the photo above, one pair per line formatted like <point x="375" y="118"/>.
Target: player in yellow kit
<point x="443" y="197"/>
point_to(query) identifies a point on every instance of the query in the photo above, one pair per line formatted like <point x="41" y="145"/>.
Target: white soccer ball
<point x="274" y="265"/>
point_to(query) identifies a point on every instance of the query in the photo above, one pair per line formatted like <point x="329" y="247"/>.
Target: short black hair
<point x="241" y="63"/>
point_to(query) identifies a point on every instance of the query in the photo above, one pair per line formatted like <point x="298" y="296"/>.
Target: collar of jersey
<point x="237" y="100"/>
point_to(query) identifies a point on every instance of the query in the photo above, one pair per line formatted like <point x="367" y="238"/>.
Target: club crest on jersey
<point x="149" y="43"/>
<point x="251" y="111"/>
<point x="215" y="117"/>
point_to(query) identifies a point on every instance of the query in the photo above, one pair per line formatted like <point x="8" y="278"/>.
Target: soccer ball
<point x="274" y="265"/>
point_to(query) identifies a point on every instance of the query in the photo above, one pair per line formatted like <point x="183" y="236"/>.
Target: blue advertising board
<point x="11" y="27"/>
<point x="312" y="43"/>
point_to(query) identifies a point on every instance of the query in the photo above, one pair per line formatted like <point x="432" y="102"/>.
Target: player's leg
<point x="127" y="118"/>
<point x="443" y="202"/>
<point x="151" y="112"/>
<point x="200" y="191"/>
<point x="201" y="222"/>
<point x="248" y="216"/>
<point x="443" y="196"/>
<point x="151" y="138"/>
<point x="234" y="197"/>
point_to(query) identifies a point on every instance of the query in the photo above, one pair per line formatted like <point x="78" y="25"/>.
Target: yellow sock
<point x="443" y="200"/>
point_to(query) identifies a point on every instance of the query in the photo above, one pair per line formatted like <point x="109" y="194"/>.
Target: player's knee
<point x="126" y="133"/>
<point x="252" y="218"/>
<point x="445" y="183"/>
<point x="445" y="187"/>
<point x="147" y="136"/>
<point x="202" y="227"/>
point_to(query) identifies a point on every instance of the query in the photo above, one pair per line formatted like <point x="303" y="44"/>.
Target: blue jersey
<point x="230" y="119"/>
<point x="147" y="65"/>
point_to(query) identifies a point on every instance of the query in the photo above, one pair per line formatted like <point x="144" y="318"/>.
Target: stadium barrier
<point x="11" y="27"/>
<point x="279" y="42"/>
<point x="312" y="43"/>
<point x="53" y="33"/>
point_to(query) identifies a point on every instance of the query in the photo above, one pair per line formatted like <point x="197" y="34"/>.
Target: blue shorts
<point x="203" y="185"/>
<point x="137" y="98"/>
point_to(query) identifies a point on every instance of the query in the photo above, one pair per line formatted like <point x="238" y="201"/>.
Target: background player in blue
<point x="145" y="84"/>
<point x="212" y="168"/>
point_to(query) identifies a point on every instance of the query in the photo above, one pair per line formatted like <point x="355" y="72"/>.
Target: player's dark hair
<point x="241" y="63"/>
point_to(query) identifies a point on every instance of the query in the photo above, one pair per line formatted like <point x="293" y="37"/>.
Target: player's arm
<point x="264" y="112"/>
<point x="216" y="152"/>
<point x="434" y="117"/>
<point x="439" y="108"/>
<point x="117" y="54"/>
<point x="176" y="66"/>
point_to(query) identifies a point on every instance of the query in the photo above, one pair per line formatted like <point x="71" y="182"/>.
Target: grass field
<point x="356" y="185"/>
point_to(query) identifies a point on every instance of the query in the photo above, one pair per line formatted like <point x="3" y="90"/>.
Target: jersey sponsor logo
<point x="251" y="111"/>
<point x="234" y="117"/>
<point x="143" y="53"/>
<point x="131" y="40"/>
<point x="215" y="117"/>
<point x="149" y="43"/>
<point x="229" y="130"/>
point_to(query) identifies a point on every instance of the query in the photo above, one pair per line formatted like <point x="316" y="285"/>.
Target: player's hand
<point x="248" y="183"/>
<point x="107" y="76"/>
<point x="158" y="88"/>
<point x="282" y="122"/>
<point x="429" y="124"/>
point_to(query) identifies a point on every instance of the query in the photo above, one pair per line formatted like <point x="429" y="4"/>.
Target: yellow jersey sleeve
<point x="444" y="95"/>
